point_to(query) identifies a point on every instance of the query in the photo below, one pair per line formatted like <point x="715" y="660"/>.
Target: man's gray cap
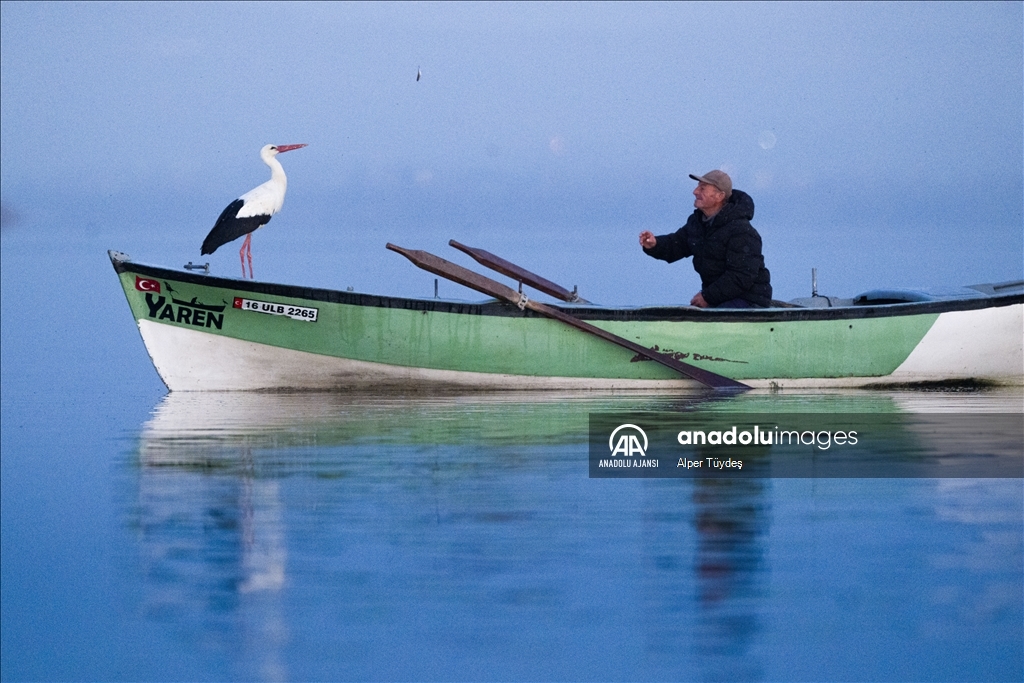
<point x="719" y="179"/>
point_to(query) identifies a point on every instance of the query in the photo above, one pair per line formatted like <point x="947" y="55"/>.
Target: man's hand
<point x="698" y="300"/>
<point x="647" y="240"/>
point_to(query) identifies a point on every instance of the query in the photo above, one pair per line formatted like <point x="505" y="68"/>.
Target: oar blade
<point x="705" y="377"/>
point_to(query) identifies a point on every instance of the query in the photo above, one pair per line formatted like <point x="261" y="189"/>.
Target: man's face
<point x="708" y="198"/>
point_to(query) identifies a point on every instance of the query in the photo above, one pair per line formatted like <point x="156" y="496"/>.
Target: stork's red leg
<point x="248" y="254"/>
<point x="241" y="253"/>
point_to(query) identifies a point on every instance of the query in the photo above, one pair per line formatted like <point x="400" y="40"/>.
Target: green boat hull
<point x="209" y="333"/>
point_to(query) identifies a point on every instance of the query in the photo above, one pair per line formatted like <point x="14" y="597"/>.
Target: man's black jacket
<point x="726" y="253"/>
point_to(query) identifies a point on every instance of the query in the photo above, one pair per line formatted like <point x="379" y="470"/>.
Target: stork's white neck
<point x="276" y="170"/>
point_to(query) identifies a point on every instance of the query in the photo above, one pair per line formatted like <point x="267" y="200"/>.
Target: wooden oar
<point x="486" y="258"/>
<point x="485" y="285"/>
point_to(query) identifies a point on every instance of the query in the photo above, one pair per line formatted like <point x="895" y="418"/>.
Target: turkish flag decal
<point x="146" y="285"/>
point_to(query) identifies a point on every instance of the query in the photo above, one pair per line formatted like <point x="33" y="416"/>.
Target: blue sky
<point x="882" y="143"/>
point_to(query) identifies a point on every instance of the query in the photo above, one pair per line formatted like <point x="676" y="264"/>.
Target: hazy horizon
<point x="883" y="144"/>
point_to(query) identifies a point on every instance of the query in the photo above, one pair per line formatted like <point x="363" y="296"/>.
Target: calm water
<point x="148" y="536"/>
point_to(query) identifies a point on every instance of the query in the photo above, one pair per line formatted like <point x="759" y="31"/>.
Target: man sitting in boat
<point x="726" y="249"/>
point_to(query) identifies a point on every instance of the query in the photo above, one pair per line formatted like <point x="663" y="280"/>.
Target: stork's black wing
<point x="229" y="227"/>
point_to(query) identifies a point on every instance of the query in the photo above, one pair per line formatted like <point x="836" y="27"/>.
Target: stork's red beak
<point x="288" y="148"/>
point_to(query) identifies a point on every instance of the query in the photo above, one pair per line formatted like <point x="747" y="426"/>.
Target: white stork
<point x="252" y="209"/>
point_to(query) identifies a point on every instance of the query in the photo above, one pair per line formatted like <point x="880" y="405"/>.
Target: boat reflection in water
<point x="448" y="536"/>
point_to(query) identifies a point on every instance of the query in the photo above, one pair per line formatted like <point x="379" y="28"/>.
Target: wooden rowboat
<point x="207" y="333"/>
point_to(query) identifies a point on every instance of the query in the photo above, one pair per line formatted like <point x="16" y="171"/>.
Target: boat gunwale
<point x="586" y="311"/>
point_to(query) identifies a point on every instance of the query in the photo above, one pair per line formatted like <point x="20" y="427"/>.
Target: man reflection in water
<point x="731" y="521"/>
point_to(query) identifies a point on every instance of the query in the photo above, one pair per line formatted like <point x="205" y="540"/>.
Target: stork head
<point x="274" y="150"/>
